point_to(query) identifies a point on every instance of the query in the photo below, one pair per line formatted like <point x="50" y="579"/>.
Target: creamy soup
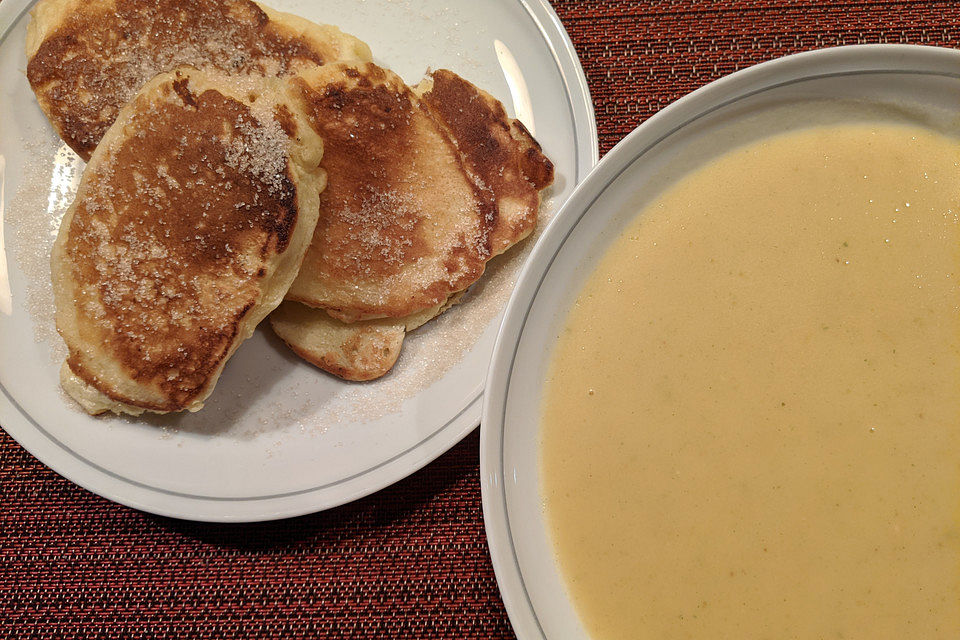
<point x="751" y="423"/>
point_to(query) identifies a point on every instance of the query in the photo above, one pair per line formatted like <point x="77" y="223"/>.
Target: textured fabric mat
<point x="410" y="561"/>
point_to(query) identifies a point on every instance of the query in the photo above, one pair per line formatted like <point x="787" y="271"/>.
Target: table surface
<point x="410" y="561"/>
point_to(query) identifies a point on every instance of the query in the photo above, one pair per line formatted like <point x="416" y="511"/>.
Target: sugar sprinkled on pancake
<point x="406" y="167"/>
<point x="189" y="224"/>
<point x="402" y="225"/>
<point x="500" y="155"/>
<point x="86" y="58"/>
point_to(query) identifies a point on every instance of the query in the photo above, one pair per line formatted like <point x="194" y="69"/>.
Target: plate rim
<point x="887" y="58"/>
<point x="22" y="427"/>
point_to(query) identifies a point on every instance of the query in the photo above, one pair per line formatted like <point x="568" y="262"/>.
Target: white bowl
<point x="894" y="82"/>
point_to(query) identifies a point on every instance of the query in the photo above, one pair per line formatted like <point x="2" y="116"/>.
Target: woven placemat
<point x="410" y="561"/>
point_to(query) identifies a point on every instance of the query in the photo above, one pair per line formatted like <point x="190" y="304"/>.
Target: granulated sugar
<point x="266" y="389"/>
<point x="441" y="26"/>
<point x="432" y="350"/>
<point x="237" y="408"/>
<point x="111" y="50"/>
<point x="258" y="395"/>
<point x="51" y="174"/>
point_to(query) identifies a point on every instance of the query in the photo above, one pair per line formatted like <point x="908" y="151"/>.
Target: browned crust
<point x="177" y="403"/>
<point x="366" y="137"/>
<point x="99" y="58"/>
<point x="536" y="167"/>
<point x="358" y="352"/>
<point x="479" y="125"/>
<point x="504" y="160"/>
<point x="170" y="242"/>
<point x="352" y="372"/>
<point x="365" y="122"/>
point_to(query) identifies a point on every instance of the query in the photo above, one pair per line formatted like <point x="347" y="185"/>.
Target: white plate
<point x="849" y="83"/>
<point x="279" y="438"/>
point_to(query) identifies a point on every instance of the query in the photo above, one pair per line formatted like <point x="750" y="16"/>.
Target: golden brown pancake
<point x="402" y="225"/>
<point x="358" y="351"/>
<point x="500" y="155"/>
<point x="86" y="58"/>
<point x="425" y="185"/>
<point x="190" y="222"/>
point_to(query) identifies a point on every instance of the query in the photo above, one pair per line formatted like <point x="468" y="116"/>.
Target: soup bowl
<point x="830" y="86"/>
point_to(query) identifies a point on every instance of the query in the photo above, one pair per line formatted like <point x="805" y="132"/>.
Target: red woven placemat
<point x="410" y="561"/>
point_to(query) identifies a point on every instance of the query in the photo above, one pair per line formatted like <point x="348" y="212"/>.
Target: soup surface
<point x="751" y="423"/>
